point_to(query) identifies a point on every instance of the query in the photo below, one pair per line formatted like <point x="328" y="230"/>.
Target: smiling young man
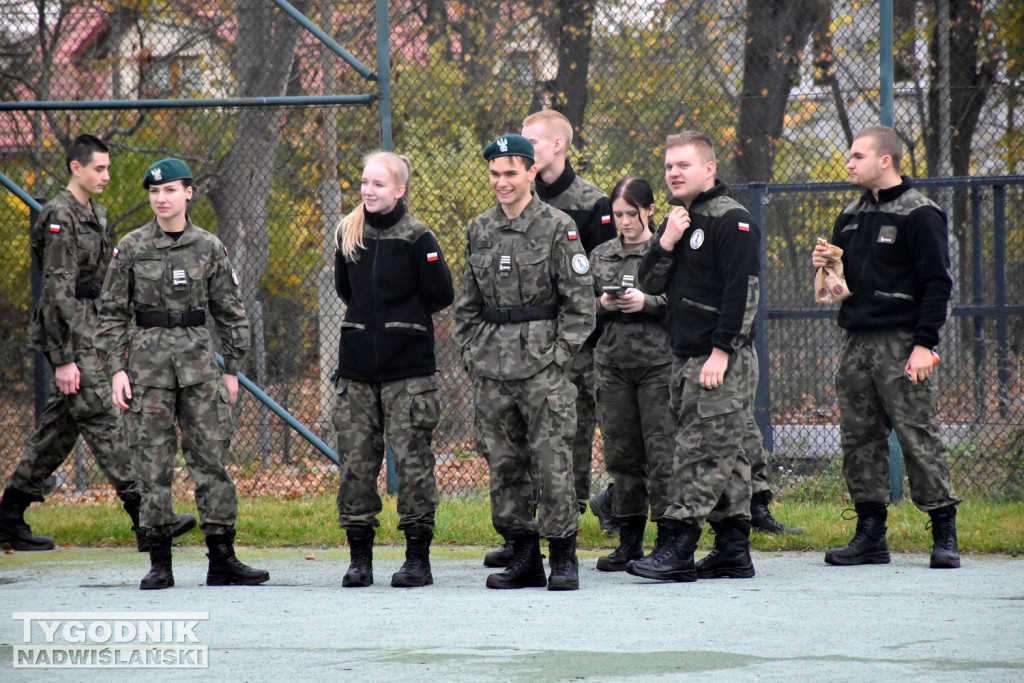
<point x="558" y="184"/>
<point x="525" y="309"/>
<point x="706" y="260"/>
<point x="896" y="258"/>
<point x="167" y="276"/>
<point x="71" y="247"/>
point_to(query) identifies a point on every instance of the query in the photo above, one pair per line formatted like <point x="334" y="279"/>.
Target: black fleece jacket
<point x="392" y="287"/>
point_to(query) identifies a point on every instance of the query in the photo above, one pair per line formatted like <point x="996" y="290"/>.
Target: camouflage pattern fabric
<point x="875" y="397"/>
<point x="141" y="278"/>
<point x="711" y="473"/>
<point x="634" y="368"/>
<point x="173" y="371"/>
<point x="71" y="246"/>
<point x="532" y="260"/>
<point x="407" y="412"/>
<point x="638" y="431"/>
<point x="203" y="413"/>
<point x="581" y="375"/>
<point x="545" y="404"/>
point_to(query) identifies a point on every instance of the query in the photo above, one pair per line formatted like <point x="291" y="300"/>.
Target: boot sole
<point x="499" y="584"/>
<point x="951" y="564"/>
<point x="727" y="573"/>
<point x="429" y="581"/>
<point x="26" y="547"/>
<point x="564" y="586"/>
<point x="235" y="581"/>
<point x="350" y="583"/>
<point x="871" y="558"/>
<point x="156" y="587"/>
<point x="682" y="576"/>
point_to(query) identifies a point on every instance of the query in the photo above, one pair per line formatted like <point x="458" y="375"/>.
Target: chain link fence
<point x="780" y="86"/>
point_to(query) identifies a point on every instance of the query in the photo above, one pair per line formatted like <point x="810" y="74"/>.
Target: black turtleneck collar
<point x="383" y="221"/>
<point x="719" y="190"/>
<point x="547" y="191"/>
<point x="890" y="193"/>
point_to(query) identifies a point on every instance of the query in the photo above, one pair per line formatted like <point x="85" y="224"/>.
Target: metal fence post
<point x="758" y="199"/>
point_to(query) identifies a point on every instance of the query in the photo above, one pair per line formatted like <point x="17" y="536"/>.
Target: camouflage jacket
<point x="585" y="203"/>
<point x="535" y="259"/>
<point x="70" y="247"/>
<point x="628" y="340"/>
<point x="152" y="272"/>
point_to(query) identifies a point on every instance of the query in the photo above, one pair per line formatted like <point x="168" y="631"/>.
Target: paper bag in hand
<point x="829" y="282"/>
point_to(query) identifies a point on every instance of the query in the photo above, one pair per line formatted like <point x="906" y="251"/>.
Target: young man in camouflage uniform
<point x="525" y="309"/>
<point x="896" y="258"/>
<point x="166" y="276"/>
<point x="71" y="245"/>
<point x="706" y="258"/>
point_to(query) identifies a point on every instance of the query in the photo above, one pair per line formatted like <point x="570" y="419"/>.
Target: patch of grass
<point x="311" y="521"/>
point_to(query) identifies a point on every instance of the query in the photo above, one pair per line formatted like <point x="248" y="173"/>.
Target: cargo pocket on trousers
<point x="424" y="412"/>
<point x="225" y="413"/>
<point x="342" y="414"/>
<point x="715" y="402"/>
<point x="131" y="419"/>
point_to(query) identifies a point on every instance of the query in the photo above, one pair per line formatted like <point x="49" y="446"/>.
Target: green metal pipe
<point x="886" y="64"/>
<point x="384" y="75"/>
<point x="326" y="40"/>
<point x="222" y="102"/>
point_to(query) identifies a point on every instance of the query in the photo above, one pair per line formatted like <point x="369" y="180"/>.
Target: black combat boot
<point x="225" y="569"/>
<point x="601" y="506"/>
<point x="500" y="557"/>
<point x="526" y="570"/>
<point x="416" y="570"/>
<point x="14" y="530"/>
<point x="673" y="561"/>
<point x="160" y="575"/>
<point x="360" y="568"/>
<point x="664" y="533"/>
<point x="761" y="516"/>
<point x="945" y="551"/>
<point x="631" y="546"/>
<point x="730" y="557"/>
<point x="868" y="545"/>
<point x="565" y="569"/>
<point x="182" y="523"/>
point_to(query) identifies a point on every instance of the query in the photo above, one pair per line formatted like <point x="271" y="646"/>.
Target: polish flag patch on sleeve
<point x="605" y="220"/>
<point x="431" y="256"/>
<point x="54" y="227"/>
<point x="116" y="251"/>
<point x="573" y="235"/>
<point x="745" y="227"/>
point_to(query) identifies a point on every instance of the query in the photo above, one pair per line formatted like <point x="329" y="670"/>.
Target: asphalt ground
<point x="797" y="620"/>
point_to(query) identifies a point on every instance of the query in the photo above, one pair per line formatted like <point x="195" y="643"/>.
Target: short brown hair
<point x="887" y="142"/>
<point x="694" y="138"/>
<point x="552" y="120"/>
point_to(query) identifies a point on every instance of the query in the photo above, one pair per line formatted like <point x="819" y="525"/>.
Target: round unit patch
<point x="580" y="264"/>
<point x="696" y="239"/>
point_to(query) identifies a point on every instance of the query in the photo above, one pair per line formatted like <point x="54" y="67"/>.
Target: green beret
<point x="166" y="170"/>
<point x="509" y="146"/>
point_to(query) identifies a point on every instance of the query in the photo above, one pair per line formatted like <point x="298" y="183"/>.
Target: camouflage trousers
<point x="583" y="377"/>
<point x="543" y="403"/>
<point x="754" y="440"/>
<point x="875" y="397"/>
<point x="638" y="431"/>
<point x="406" y="411"/>
<point x="711" y="473"/>
<point x="89" y="412"/>
<point x="203" y="413"/>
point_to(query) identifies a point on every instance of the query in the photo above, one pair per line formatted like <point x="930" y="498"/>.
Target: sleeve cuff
<point x="60" y="357"/>
<point x="231" y="366"/>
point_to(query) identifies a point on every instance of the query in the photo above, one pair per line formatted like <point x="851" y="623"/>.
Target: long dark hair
<point x="635" y="191"/>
